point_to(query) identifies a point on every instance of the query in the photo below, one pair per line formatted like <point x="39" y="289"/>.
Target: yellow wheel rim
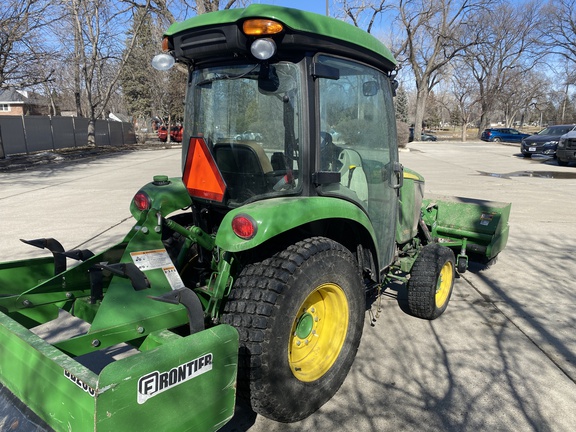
<point x="318" y="332"/>
<point x="445" y="280"/>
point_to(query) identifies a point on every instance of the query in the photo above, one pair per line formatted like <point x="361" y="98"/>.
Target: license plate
<point x="532" y="149"/>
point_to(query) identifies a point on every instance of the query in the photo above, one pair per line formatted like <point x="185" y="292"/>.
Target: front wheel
<point x="431" y="282"/>
<point x="562" y="162"/>
<point x="300" y="316"/>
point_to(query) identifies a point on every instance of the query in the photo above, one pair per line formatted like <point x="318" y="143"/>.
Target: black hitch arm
<point x="129" y="271"/>
<point x="53" y="246"/>
<point x="190" y="301"/>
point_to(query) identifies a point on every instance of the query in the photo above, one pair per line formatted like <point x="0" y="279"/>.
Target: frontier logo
<point x="157" y="382"/>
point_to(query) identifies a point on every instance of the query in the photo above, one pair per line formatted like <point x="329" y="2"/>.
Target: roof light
<point x="141" y="201"/>
<point x="261" y="27"/>
<point x="165" y="45"/>
<point x="263" y="49"/>
<point x="244" y="226"/>
<point x="163" y="62"/>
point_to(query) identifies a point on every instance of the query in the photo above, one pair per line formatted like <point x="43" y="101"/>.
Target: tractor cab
<point x="286" y="112"/>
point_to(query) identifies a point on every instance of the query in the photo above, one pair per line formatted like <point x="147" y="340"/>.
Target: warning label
<point x="158" y="259"/>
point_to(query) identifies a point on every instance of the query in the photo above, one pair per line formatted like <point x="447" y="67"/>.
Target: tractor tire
<point x="431" y="282"/>
<point x="300" y="316"/>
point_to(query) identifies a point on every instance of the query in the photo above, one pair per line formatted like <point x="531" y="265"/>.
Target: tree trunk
<point x="421" y="98"/>
<point x="92" y="132"/>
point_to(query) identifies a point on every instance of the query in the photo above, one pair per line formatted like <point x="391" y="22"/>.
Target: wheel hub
<point x="318" y="332"/>
<point x="305" y="325"/>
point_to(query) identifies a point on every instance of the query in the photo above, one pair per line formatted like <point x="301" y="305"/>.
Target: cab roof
<point x="322" y="33"/>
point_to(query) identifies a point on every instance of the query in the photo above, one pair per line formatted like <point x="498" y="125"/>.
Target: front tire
<point x="300" y="316"/>
<point x="431" y="282"/>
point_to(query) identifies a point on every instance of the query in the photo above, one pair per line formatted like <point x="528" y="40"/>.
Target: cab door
<point x="358" y="140"/>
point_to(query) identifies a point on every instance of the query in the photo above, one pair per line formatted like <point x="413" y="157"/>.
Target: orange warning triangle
<point x="201" y="176"/>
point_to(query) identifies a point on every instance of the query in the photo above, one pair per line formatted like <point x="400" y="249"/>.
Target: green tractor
<point x="253" y="272"/>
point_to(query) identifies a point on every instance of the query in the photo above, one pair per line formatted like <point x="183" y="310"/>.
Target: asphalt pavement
<point x="501" y="358"/>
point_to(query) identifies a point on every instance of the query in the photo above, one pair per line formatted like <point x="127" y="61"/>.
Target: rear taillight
<point x="244" y="226"/>
<point x="142" y="201"/>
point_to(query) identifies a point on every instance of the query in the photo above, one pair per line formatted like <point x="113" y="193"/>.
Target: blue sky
<point x="318" y="6"/>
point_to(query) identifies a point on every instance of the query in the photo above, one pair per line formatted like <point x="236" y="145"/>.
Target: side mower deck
<point x="471" y="226"/>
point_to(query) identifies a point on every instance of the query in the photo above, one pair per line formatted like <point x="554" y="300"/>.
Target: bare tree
<point x="507" y="52"/>
<point x="362" y="13"/>
<point x="23" y="50"/>
<point x="465" y="103"/>
<point x="435" y="33"/>
<point x="98" y="26"/>
<point x="558" y="31"/>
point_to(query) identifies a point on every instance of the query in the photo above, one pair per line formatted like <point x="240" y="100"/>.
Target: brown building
<point x="17" y="103"/>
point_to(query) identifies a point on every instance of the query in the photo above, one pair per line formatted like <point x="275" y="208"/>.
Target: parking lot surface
<point x="501" y="358"/>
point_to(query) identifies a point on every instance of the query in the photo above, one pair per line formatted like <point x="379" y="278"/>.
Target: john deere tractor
<point x="254" y="270"/>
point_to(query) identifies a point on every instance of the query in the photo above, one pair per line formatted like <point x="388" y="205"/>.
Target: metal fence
<point x="29" y="134"/>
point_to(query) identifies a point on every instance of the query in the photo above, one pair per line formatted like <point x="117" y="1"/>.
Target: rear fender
<point x="276" y="216"/>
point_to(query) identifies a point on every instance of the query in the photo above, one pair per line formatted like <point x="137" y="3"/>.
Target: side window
<point x="357" y="128"/>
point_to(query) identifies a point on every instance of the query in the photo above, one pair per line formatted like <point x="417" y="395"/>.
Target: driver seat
<point x="352" y="174"/>
<point x="244" y="165"/>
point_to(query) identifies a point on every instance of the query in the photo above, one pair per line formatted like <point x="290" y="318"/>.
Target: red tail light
<point x="244" y="226"/>
<point x="142" y="201"/>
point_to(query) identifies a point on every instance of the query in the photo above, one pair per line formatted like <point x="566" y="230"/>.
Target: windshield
<point x="556" y="130"/>
<point x="249" y="115"/>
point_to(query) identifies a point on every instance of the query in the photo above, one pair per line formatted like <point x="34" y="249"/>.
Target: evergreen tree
<point x="401" y="105"/>
<point x="137" y="78"/>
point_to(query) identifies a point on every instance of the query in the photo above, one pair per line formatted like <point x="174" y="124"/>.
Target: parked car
<point x="249" y="136"/>
<point x="175" y="133"/>
<point x="424" y="136"/>
<point x="566" y="151"/>
<point x="503" y="135"/>
<point x="545" y="142"/>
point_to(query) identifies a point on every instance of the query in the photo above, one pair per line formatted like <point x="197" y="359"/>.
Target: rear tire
<point x="496" y="140"/>
<point x="300" y="316"/>
<point x="562" y="162"/>
<point x="431" y="282"/>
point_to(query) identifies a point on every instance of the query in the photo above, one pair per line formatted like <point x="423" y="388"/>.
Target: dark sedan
<point x="502" y="135"/>
<point x="424" y="136"/>
<point x="545" y="142"/>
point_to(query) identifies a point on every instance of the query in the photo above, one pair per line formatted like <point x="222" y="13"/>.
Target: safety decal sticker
<point x="158" y="259"/>
<point x="152" y="259"/>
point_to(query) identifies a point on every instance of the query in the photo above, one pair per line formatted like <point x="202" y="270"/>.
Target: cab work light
<point x="263" y="48"/>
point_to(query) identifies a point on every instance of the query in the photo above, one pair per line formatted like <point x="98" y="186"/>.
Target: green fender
<point x="166" y="195"/>
<point x="278" y="215"/>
